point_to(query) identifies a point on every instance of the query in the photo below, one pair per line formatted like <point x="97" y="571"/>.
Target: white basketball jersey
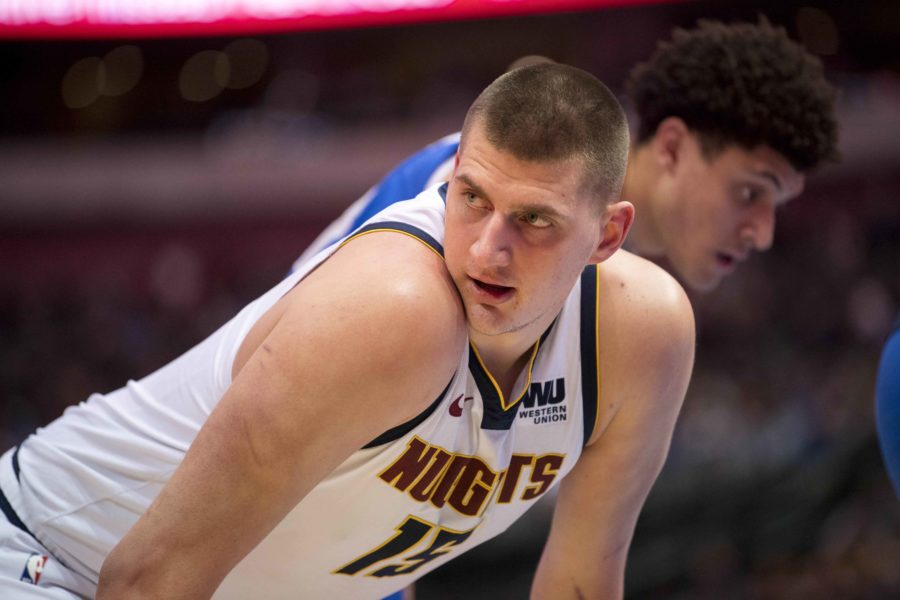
<point x="415" y="497"/>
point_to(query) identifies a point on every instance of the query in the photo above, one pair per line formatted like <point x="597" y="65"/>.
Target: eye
<point x="749" y="194"/>
<point x="536" y="220"/>
<point x="471" y="199"/>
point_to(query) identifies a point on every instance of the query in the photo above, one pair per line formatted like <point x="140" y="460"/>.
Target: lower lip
<point x="491" y="293"/>
<point x="725" y="263"/>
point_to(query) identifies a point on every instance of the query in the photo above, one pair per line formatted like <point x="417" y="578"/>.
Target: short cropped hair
<point x="552" y="112"/>
<point x="745" y="84"/>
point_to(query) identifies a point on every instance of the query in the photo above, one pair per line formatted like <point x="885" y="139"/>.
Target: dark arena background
<point x="152" y="181"/>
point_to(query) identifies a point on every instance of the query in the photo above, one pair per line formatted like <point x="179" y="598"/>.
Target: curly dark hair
<point x="748" y="84"/>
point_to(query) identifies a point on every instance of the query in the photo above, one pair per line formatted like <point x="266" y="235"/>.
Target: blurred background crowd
<point x="150" y="188"/>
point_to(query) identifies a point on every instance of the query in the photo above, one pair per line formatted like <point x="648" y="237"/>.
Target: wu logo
<point x="542" y="393"/>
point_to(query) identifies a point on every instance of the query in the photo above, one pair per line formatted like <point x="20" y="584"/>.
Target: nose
<point x="493" y="246"/>
<point x="759" y="230"/>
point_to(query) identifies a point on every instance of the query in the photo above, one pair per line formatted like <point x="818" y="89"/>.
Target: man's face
<point x="518" y="234"/>
<point x="711" y="214"/>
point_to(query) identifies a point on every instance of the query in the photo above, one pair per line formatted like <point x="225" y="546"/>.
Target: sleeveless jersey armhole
<point x="395" y="433"/>
<point x="590" y="349"/>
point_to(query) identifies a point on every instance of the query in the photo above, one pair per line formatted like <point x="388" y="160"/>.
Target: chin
<point x="484" y="321"/>
<point x="487" y="324"/>
<point x="696" y="280"/>
<point x="703" y="285"/>
<point x="488" y="329"/>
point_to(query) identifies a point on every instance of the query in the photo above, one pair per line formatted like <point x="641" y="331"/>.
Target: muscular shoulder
<point x="646" y="337"/>
<point x="393" y="295"/>
<point x="640" y="297"/>
<point x="392" y="272"/>
<point x="382" y="310"/>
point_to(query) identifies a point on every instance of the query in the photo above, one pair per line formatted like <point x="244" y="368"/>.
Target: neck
<point x="505" y="356"/>
<point x="640" y="181"/>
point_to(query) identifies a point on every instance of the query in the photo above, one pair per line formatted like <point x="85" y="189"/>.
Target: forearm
<point x="133" y="572"/>
<point x="568" y="589"/>
<point x="179" y="557"/>
<point x="566" y="575"/>
<point x="207" y="517"/>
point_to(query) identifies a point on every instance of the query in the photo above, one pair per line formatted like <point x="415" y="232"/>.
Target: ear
<point x="617" y="219"/>
<point x="668" y="142"/>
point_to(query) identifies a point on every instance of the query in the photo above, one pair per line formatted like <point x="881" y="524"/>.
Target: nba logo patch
<point x="34" y="566"/>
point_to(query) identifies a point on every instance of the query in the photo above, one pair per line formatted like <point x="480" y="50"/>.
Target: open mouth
<point x="725" y="261"/>
<point x="494" y="291"/>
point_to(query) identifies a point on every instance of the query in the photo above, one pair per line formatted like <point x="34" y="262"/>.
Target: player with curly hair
<point x="731" y="119"/>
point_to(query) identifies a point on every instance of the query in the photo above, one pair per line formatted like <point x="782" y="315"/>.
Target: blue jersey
<point x="420" y="171"/>
<point x="887" y="405"/>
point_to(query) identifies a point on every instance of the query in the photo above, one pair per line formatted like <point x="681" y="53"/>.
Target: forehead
<point x="500" y="173"/>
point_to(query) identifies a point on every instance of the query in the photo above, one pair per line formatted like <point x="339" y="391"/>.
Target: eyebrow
<point x="771" y="177"/>
<point x="543" y="208"/>
<point x="475" y="187"/>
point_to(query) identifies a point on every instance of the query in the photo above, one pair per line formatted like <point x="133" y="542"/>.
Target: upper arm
<point x="348" y="340"/>
<point x="646" y="357"/>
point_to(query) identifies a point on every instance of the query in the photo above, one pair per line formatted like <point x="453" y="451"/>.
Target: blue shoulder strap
<point x="407" y="179"/>
<point x="887" y="406"/>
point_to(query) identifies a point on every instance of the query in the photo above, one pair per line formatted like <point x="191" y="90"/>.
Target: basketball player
<point x="403" y="396"/>
<point x="731" y="118"/>
<point x="887" y="406"/>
